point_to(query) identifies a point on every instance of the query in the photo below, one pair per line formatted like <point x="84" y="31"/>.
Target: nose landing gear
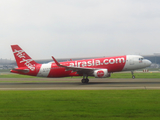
<point x="133" y="75"/>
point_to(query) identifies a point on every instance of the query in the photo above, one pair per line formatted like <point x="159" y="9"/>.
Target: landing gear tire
<point x="133" y="77"/>
<point x="85" y="80"/>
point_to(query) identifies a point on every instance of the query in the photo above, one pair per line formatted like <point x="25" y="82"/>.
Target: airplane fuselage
<point x="113" y="64"/>
<point x="99" y="67"/>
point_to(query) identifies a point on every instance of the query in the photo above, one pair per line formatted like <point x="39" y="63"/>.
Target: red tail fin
<point x="22" y="58"/>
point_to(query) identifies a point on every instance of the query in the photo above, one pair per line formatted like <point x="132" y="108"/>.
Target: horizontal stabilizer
<point x="21" y="70"/>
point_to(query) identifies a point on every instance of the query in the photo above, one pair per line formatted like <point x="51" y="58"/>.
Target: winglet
<point x="57" y="63"/>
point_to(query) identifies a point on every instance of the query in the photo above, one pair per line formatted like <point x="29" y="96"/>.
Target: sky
<point x="79" y="28"/>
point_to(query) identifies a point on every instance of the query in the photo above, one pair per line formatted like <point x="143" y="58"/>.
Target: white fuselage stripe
<point x="44" y="70"/>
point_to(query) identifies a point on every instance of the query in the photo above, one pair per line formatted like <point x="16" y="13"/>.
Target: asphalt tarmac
<point x="75" y="84"/>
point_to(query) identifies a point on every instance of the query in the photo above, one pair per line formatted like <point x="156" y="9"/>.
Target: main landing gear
<point x="133" y="75"/>
<point x="85" y="79"/>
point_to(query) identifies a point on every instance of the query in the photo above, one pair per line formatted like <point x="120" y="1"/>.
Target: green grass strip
<point x="137" y="75"/>
<point x="5" y="75"/>
<point x="113" y="75"/>
<point x="80" y="105"/>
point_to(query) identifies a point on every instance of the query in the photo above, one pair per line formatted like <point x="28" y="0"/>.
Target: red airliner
<point x="98" y="67"/>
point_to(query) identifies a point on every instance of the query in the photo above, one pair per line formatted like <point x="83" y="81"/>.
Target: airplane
<point x="98" y="67"/>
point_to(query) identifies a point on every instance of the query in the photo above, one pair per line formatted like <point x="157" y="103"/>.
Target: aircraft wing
<point x="79" y="70"/>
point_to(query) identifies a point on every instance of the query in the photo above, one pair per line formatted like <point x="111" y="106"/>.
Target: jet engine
<point x="101" y="73"/>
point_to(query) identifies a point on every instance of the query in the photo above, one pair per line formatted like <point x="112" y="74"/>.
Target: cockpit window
<point x="140" y="58"/>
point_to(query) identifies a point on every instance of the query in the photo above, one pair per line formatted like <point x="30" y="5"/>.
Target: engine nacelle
<point x="101" y="73"/>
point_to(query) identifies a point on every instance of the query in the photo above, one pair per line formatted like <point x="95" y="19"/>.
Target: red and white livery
<point x="98" y="67"/>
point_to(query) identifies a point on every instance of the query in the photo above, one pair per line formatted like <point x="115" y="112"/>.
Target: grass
<point x="80" y="105"/>
<point x="137" y="75"/>
<point x="8" y="75"/>
<point x="114" y="75"/>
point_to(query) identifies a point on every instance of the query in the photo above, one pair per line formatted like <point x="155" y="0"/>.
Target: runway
<point x="75" y="84"/>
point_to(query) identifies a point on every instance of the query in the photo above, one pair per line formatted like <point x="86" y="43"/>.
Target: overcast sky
<point x="79" y="28"/>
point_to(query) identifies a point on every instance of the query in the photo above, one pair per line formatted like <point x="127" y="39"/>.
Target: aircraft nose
<point x="149" y="62"/>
